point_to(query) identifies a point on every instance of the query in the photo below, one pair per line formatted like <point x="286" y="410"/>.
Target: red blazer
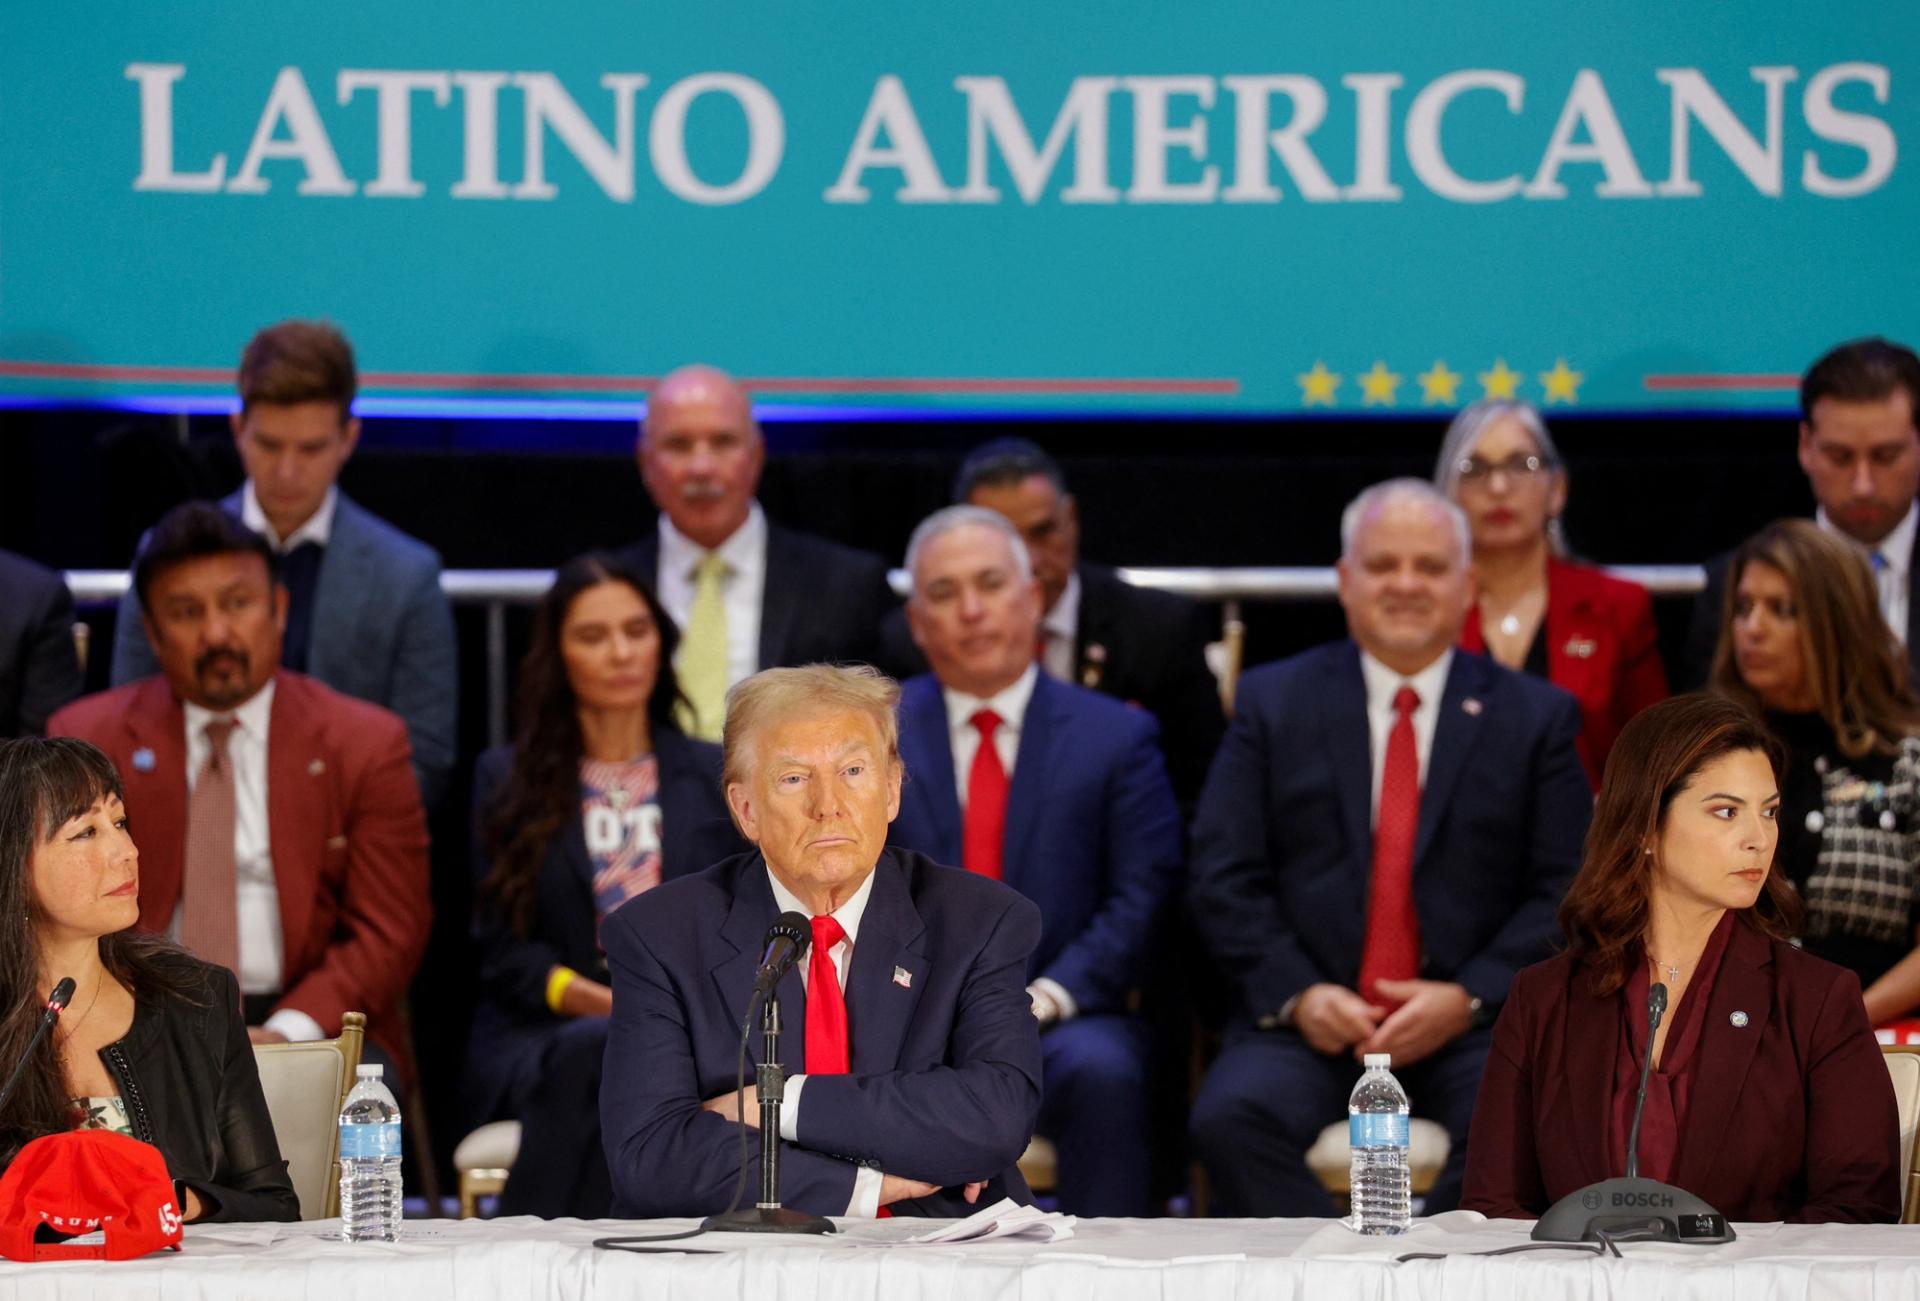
<point x="1792" y="1115"/>
<point x="1602" y="646"/>
<point x="348" y="835"/>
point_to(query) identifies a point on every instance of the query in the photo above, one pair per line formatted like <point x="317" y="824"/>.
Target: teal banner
<point x="1236" y="208"/>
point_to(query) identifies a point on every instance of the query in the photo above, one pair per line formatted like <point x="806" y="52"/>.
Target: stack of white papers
<point x="1004" y="1219"/>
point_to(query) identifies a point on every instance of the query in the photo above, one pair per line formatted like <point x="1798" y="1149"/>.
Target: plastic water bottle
<point x="1381" y="1177"/>
<point x="370" y="1196"/>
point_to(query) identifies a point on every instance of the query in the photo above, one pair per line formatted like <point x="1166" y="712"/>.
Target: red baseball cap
<point x="82" y="1182"/>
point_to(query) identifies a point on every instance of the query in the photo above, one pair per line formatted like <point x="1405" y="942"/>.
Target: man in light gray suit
<point x="365" y="611"/>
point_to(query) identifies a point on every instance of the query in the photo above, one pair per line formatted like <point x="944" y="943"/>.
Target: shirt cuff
<point x="296" y="1025"/>
<point x="790" y="1109"/>
<point x="866" y="1193"/>
<point x="1062" y="1000"/>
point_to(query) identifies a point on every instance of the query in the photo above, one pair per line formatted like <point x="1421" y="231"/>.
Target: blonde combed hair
<point x="776" y="695"/>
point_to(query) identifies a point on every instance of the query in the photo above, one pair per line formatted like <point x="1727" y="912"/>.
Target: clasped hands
<point x="1432" y="1013"/>
<point x="893" y="1188"/>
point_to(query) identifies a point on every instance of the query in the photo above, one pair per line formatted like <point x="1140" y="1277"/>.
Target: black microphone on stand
<point x="56" y="1004"/>
<point x="1632" y="1208"/>
<point x="787" y="941"/>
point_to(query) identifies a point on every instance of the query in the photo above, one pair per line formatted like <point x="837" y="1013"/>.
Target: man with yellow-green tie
<point x="747" y="593"/>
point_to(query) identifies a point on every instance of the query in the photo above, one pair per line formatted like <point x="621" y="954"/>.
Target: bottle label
<point x="1375" y="1129"/>
<point x="370" y="1142"/>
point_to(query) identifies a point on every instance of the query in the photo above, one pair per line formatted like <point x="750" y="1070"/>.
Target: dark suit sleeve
<point x="956" y="1123"/>
<point x="1503" y="1166"/>
<point x="1234" y="892"/>
<point x="513" y="967"/>
<point x="251" y="1184"/>
<point x="1703" y="627"/>
<point x="49" y="665"/>
<point x="1562" y="807"/>
<point x="133" y="658"/>
<point x="1853" y="1126"/>
<point x="666" y="1153"/>
<point x="426" y="681"/>
<point x="1142" y="841"/>
<point x="1191" y="717"/>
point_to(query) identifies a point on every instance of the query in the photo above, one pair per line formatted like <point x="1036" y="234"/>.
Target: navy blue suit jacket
<point x="512" y="1017"/>
<point x="1283" y="840"/>
<point x="1093" y="831"/>
<point x="945" y="1082"/>
<point x="39" y="666"/>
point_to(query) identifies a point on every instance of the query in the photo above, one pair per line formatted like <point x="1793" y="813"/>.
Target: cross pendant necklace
<point x="1673" y="973"/>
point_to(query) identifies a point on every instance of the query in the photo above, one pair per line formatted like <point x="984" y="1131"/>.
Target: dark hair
<point x="1604" y="915"/>
<point x="1854" y="667"/>
<point x="190" y="531"/>
<point x="1005" y="461"/>
<point x="44" y="784"/>
<point x="1865" y="370"/>
<point x="298" y="361"/>
<point x="543" y="791"/>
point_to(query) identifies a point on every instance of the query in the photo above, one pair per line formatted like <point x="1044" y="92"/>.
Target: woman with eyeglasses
<point x="1576" y="626"/>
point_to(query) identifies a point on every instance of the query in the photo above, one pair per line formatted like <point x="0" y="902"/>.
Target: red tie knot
<point x="826" y="933"/>
<point x="1405" y="701"/>
<point x="218" y="730"/>
<point x="988" y="722"/>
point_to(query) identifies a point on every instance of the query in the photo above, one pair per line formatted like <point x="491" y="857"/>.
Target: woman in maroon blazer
<point x="1576" y="626"/>
<point x="1768" y="1096"/>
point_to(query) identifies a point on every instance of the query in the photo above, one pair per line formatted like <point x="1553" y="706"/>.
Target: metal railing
<point x="496" y="589"/>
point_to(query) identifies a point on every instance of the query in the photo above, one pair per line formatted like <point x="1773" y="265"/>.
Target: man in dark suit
<point x="365" y="612"/>
<point x="747" y="593"/>
<point x="918" y="1073"/>
<point x="1381" y="846"/>
<point x="1061" y="793"/>
<point x="1860" y="451"/>
<point x="1098" y="630"/>
<point x="39" y="667"/>
<point x="281" y="833"/>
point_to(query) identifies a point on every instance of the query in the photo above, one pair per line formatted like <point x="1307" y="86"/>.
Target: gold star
<point x="1501" y="382"/>
<point x="1562" y="384"/>
<point x="1377" y="386"/>
<point x="1317" y="385"/>
<point x="1439" y="385"/>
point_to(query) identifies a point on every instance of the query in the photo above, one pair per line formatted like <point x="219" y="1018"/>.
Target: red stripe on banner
<point x="1065" y="386"/>
<point x="1718" y="383"/>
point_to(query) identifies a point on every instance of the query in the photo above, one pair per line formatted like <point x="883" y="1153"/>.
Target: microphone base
<point x="1632" y="1209"/>
<point x="767" y="1219"/>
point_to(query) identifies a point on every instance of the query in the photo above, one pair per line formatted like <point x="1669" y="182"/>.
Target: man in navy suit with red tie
<point x="914" y="1086"/>
<point x="1382" y="844"/>
<point x="1062" y="793"/>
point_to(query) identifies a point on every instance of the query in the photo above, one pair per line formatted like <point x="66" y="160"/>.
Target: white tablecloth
<point x="1107" y="1260"/>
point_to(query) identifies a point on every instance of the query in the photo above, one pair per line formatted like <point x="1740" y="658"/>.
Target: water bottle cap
<point x="368" y="1070"/>
<point x="1380" y="1060"/>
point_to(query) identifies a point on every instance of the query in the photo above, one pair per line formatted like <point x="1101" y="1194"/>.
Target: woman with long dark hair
<point x="1767" y="1095"/>
<point x="152" y="1043"/>
<point x="600" y="798"/>
<point x="1803" y="642"/>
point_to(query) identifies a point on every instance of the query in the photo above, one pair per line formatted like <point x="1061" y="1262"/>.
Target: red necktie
<point x="827" y="1052"/>
<point x="986" y="824"/>
<point x="1393" y="929"/>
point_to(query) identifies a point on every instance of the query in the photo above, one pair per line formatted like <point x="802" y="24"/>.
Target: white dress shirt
<point x="1891" y="577"/>
<point x="866" y="1180"/>
<point x="1011" y="704"/>
<point x="256" y="897"/>
<point x="741" y="590"/>
<point x="317" y="529"/>
<point x="1383" y="684"/>
<point x="1062" y="629"/>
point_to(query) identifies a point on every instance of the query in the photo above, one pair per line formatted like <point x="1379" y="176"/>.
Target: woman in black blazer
<point x="600" y="798"/>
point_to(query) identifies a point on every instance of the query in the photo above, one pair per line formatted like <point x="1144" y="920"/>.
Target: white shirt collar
<point x="847" y="914"/>
<point x="1896" y="548"/>
<point x="1063" y="620"/>
<point x="1383" y="683"/>
<point x="1010" y="702"/>
<point x="743" y="550"/>
<point x="253" y="715"/>
<point x="317" y="529"/>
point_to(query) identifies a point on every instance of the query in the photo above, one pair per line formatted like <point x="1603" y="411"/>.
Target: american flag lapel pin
<point x="316" y="767"/>
<point x="903" y="978"/>
<point x="1471" y="707"/>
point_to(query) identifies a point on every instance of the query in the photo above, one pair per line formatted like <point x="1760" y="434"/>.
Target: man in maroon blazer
<point x="279" y="822"/>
